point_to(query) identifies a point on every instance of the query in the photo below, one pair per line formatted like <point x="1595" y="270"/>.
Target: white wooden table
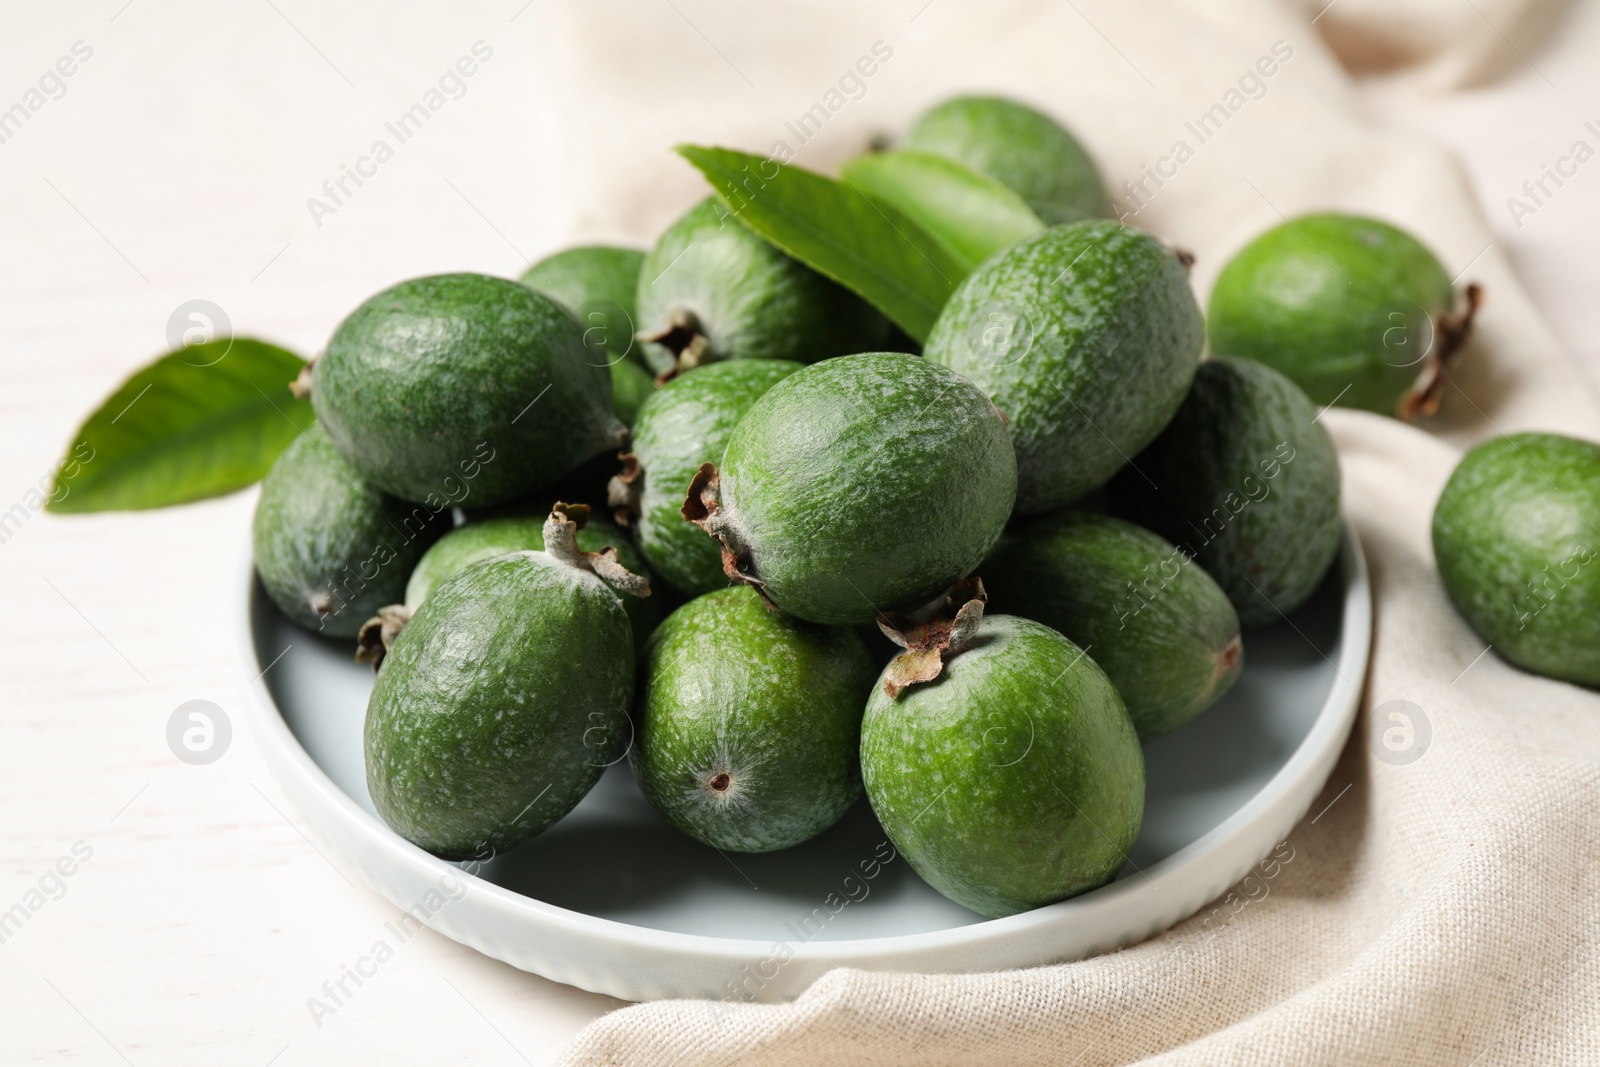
<point x="175" y="163"/>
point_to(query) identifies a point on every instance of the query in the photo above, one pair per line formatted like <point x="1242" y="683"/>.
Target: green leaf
<point x="198" y="422"/>
<point x="969" y="213"/>
<point x="836" y="230"/>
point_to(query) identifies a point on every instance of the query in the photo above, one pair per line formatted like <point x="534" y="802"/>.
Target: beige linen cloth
<point x="1442" y="911"/>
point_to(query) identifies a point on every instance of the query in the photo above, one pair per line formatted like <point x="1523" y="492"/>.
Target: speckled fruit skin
<point x="323" y="536"/>
<point x="1013" y="780"/>
<point x="749" y="722"/>
<point x="1020" y="148"/>
<point x="476" y="541"/>
<point x="463" y="384"/>
<point x="688" y="424"/>
<point x="1106" y="340"/>
<point x="499" y="705"/>
<point x="1517" y="537"/>
<point x="864" y="484"/>
<point x="1159" y="626"/>
<point x="752" y="301"/>
<point x="599" y="284"/>
<point x="1246" y="481"/>
<point x="1344" y="306"/>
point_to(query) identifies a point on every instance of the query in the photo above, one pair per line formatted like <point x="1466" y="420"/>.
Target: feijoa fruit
<point x="1355" y="311"/>
<point x="749" y="722"/>
<point x="330" y="548"/>
<point x="1087" y="337"/>
<point x="1246" y="481"/>
<point x="1019" y="147"/>
<point x="858" y="485"/>
<point x="1013" y="779"/>
<point x="1516" y="534"/>
<point x="501" y="701"/>
<point x="463" y="389"/>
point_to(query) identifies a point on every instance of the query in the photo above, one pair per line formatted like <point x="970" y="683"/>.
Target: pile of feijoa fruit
<point x="666" y="506"/>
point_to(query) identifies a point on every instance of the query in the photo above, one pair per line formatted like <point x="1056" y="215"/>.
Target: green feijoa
<point x="501" y="702"/>
<point x="711" y="289"/>
<point x="1245" y="480"/>
<point x="1159" y="626"/>
<point x="1354" y="311"/>
<point x="631" y="386"/>
<point x="599" y="284"/>
<point x="686" y="424"/>
<point x="858" y="485"/>
<point x="1087" y="337"/>
<point x="330" y="548"/>
<point x="1019" y="147"/>
<point x="749" y="721"/>
<point x="476" y="541"/>
<point x="463" y="388"/>
<point x="1516" y="534"/>
<point x="1014" y="779"/>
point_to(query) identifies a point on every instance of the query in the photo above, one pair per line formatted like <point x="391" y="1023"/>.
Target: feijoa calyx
<point x="1246" y="481"/>
<point x="711" y="289"/>
<point x="858" y="485"/>
<point x="1012" y="779"/>
<point x="1516" y="534"/>
<point x="501" y="701"/>
<point x="330" y="548"/>
<point x="1087" y="337"/>
<point x="1158" y="625"/>
<point x="1355" y="311"/>
<point x="503" y="535"/>
<point x="463" y="389"/>
<point x="687" y="424"/>
<point x="1021" y="148"/>
<point x="749" y="722"/>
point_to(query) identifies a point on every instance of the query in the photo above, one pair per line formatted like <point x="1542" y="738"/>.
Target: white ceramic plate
<point x="614" y="900"/>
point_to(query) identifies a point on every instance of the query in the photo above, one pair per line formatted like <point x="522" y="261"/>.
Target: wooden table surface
<point x="175" y="164"/>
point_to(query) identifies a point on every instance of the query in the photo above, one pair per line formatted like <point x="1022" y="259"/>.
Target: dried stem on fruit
<point x="704" y="508"/>
<point x="929" y="644"/>
<point x="1451" y="333"/>
<point x="561" y="542"/>
<point x="625" y="490"/>
<point x="300" y="388"/>
<point x="378" y="633"/>
<point x="685" y="339"/>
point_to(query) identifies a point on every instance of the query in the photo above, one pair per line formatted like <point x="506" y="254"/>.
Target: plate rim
<point x="302" y="779"/>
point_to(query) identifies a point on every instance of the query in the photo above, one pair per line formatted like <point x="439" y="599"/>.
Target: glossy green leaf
<point x="969" y="213"/>
<point x="198" y="422"/>
<point x="836" y="230"/>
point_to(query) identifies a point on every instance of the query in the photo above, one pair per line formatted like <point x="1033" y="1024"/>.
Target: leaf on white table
<point x="198" y="422"/>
